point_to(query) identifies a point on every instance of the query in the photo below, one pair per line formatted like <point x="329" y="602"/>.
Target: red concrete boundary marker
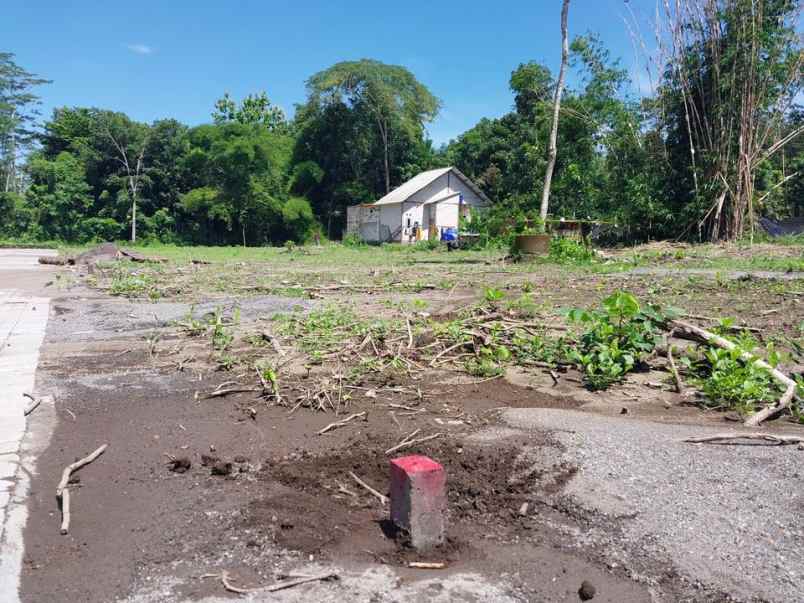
<point x="419" y="499"/>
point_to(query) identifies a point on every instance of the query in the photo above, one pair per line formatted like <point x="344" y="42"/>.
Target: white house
<point x="431" y="201"/>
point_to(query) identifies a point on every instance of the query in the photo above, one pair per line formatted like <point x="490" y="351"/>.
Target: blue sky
<point x="174" y="58"/>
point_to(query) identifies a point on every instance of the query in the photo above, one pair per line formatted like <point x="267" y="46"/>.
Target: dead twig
<point x="224" y="578"/>
<point x="303" y="580"/>
<point x="427" y="565"/>
<point x="65" y="512"/>
<point x="671" y="361"/>
<point x="447" y="351"/>
<point x="32" y="406"/>
<point x="409" y="443"/>
<point x="382" y="498"/>
<point x="345" y="490"/>
<point x="69" y="469"/>
<point x="232" y="390"/>
<point x="734" y="439"/>
<point x="343" y="422"/>
<point x="63" y="493"/>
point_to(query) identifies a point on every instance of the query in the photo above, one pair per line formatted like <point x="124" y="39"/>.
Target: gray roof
<point x="418" y="182"/>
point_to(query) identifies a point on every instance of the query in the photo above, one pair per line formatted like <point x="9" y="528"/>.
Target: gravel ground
<point x="727" y="516"/>
<point x="97" y="319"/>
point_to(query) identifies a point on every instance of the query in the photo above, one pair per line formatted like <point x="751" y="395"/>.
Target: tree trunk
<point x="553" y="150"/>
<point x="134" y="218"/>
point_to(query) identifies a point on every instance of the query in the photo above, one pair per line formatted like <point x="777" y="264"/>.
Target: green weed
<point x="616" y="339"/>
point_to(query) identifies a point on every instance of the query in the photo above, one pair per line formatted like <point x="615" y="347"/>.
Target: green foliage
<point x="727" y="380"/>
<point x="353" y="240"/>
<point x="362" y="127"/>
<point x="18" y="114"/>
<point x="616" y="339"/>
<point x="133" y="283"/>
<point x="319" y="331"/>
<point x="491" y="295"/>
<point x="254" y="109"/>
<point x="564" y="250"/>
<point x="221" y="336"/>
<point x="60" y="197"/>
<point x="527" y="347"/>
<point x="425" y="245"/>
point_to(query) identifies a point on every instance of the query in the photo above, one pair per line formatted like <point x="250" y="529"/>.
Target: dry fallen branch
<point x="447" y="351"/>
<point x="671" y="361"/>
<point x="69" y="469"/>
<point x="232" y="390"/>
<point x="382" y="498"/>
<point x="32" y="406"/>
<point x="342" y="423"/>
<point x="427" y="565"/>
<point x="63" y="493"/>
<point x="65" y="511"/>
<point x="407" y="443"/>
<point x="735" y="439"/>
<point x="303" y="580"/>
<point x="766" y="412"/>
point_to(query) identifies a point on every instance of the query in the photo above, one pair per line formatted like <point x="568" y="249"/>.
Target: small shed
<point x="419" y="209"/>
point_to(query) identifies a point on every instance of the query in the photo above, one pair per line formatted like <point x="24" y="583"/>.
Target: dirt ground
<point x="266" y="497"/>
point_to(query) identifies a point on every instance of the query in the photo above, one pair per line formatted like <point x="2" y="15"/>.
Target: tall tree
<point x="253" y="109"/>
<point x="553" y="148"/>
<point x="390" y="93"/>
<point x="18" y="115"/>
<point x="130" y="144"/>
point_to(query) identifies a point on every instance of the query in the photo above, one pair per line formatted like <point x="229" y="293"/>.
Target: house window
<point x="408" y="223"/>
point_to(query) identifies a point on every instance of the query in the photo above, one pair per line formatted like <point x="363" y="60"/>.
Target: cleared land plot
<point x="246" y="359"/>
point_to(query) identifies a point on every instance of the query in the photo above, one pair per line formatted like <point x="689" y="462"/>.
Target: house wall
<point x="391" y="216"/>
<point x="447" y="213"/>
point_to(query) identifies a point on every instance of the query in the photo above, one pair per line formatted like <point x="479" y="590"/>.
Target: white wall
<point x="391" y="216"/>
<point x="447" y="213"/>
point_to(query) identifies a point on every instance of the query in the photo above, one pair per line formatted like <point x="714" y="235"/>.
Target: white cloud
<point x="140" y="48"/>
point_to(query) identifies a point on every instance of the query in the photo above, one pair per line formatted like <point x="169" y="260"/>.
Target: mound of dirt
<point x="313" y="504"/>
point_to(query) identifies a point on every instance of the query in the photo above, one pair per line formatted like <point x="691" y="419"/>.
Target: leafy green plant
<point x="727" y="380"/>
<point x="541" y="348"/>
<point x="564" y="250"/>
<point x="353" y="240"/>
<point x="616" y="339"/>
<point x="221" y="336"/>
<point x="191" y="325"/>
<point x="524" y="305"/>
<point x="427" y="245"/>
<point x="491" y="294"/>
<point x="133" y="284"/>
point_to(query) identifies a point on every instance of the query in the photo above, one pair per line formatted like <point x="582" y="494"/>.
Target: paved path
<point x="23" y="318"/>
<point x="727" y="515"/>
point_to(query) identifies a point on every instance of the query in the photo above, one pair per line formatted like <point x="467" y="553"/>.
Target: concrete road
<point x="23" y="317"/>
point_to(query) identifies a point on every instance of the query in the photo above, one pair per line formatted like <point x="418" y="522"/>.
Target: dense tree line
<point x="674" y="163"/>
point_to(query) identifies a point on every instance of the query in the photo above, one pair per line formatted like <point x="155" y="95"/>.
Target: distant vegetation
<point x="714" y="147"/>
